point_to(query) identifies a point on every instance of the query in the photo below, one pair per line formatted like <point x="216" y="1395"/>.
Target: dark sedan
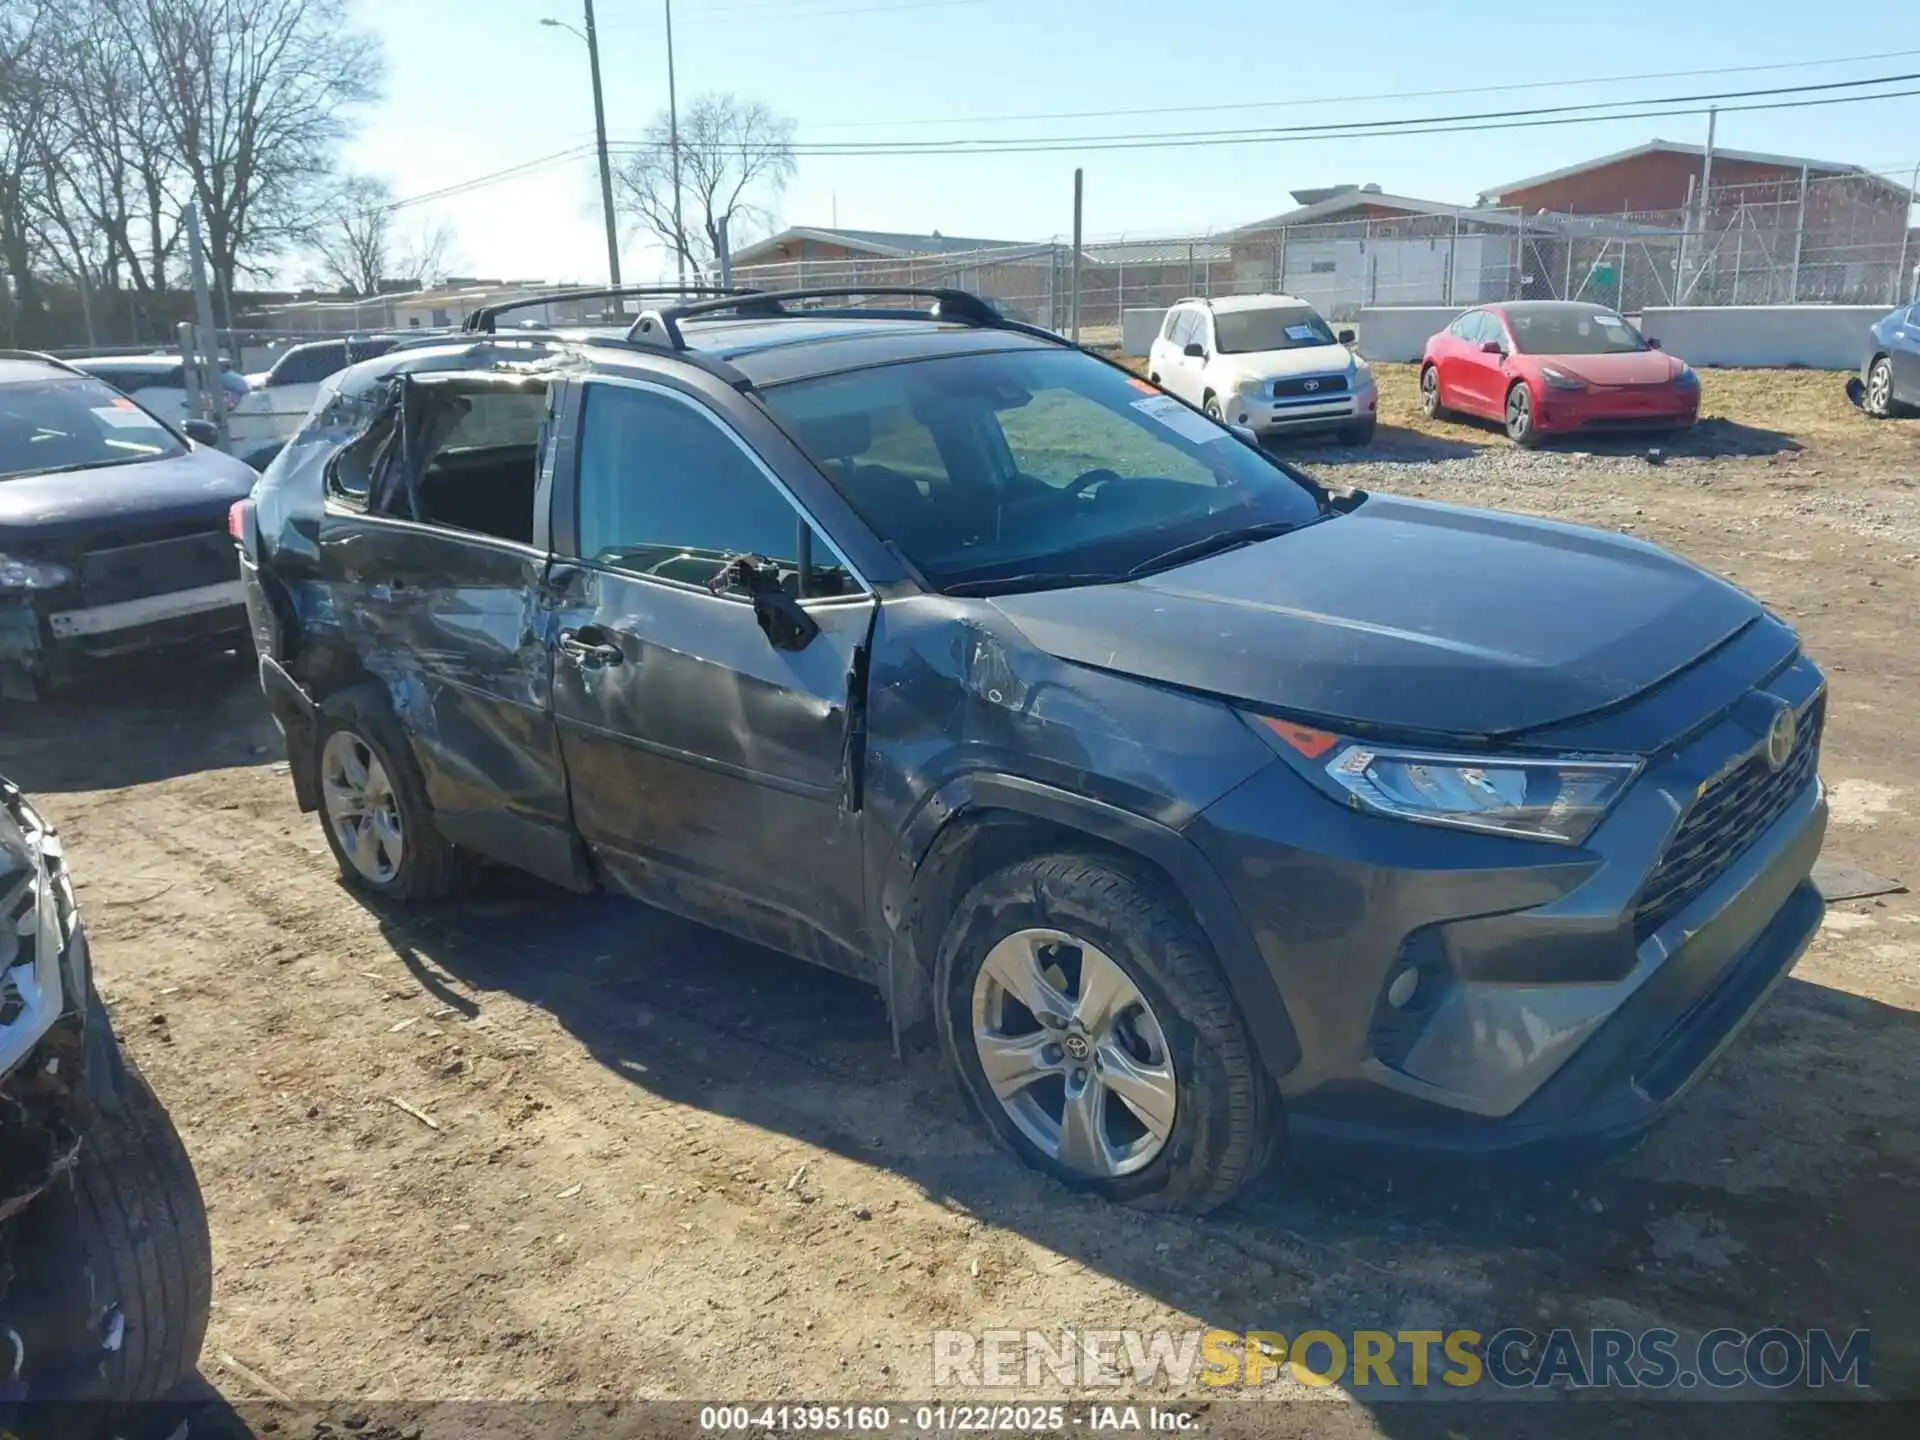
<point x="1889" y="379"/>
<point x="113" y="528"/>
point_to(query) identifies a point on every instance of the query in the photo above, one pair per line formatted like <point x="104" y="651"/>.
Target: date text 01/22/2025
<point x="930" y="1420"/>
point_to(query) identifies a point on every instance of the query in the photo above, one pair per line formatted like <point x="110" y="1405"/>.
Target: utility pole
<point x="673" y="147"/>
<point x="1073" y="308"/>
<point x="600" y="135"/>
<point x="213" y="394"/>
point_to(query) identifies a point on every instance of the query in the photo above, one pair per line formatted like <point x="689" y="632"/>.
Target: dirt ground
<point x="532" y="1146"/>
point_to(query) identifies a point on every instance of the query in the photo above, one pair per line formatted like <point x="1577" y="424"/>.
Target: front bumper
<point x="43" y="640"/>
<point x="1268" y="414"/>
<point x="1597" y="408"/>
<point x="1550" y="1004"/>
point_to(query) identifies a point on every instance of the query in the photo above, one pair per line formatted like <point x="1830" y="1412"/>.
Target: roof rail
<point x="660" y="329"/>
<point x="482" y="320"/>
<point x="44" y="358"/>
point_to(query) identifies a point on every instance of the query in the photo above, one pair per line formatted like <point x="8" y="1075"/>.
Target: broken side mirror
<point x="782" y="620"/>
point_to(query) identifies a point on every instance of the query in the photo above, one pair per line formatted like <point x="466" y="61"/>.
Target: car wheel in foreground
<point x="1214" y="412"/>
<point x="1430" y="405"/>
<point x="374" y="808"/>
<point x="1091" y="1028"/>
<point x="1520" y="417"/>
<point x="1879" y="397"/>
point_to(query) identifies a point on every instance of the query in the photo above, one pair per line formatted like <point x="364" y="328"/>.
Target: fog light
<point x="1401" y="992"/>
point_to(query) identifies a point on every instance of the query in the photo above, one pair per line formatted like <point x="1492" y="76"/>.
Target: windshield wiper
<point x="1039" y="580"/>
<point x="84" y="465"/>
<point x="1215" y="544"/>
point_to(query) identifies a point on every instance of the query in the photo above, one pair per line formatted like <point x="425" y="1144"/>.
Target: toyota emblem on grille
<point x="1311" y="385"/>
<point x="1780" y="738"/>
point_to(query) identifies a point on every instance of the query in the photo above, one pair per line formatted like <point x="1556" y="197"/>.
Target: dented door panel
<point x="453" y="626"/>
<point x="708" y="768"/>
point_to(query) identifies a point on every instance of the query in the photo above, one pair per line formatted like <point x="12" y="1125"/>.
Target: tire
<point x="1225" y="1109"/>
<point x="1878" y="400"/>
<point x="1214" y="412"/>
<point x="144" y="1228"/>
<point x="1519" y="411"/>
<point x="1430" y="405"/>
<point x="1361" y="434"/>
<point x="411" y="859"/>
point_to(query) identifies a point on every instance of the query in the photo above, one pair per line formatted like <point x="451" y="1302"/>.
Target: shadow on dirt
<point x="1710" y="439"/>
<point x="1798" y="1233"/>
<point x="1391" y="444"/>
<point x="144" y="720"/>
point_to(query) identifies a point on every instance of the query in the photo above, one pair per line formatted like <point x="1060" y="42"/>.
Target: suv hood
<point x="200" y="485"/>
<point x="1407" y="616"/>
<point x="1276" y="364"/>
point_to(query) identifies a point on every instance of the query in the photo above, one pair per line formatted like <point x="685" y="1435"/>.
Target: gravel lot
<point x="666" y="1164"/>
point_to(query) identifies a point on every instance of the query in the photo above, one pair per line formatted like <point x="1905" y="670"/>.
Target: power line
<point x="1344" y="130"/>
<point x="1299" y="103"/>
<point x="784" y="12"/>
<point x="1357" y="130"/>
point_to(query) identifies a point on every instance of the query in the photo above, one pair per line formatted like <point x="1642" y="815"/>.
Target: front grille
<point x="1310" y="385"/>
<point x="1727" y="817"/>
<point x="157" y="567"/>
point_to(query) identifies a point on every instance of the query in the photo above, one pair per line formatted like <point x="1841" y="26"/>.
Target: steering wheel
<point x="1080" y="484"/>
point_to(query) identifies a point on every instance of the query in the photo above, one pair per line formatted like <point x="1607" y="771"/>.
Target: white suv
<point x="1268" y="362"/>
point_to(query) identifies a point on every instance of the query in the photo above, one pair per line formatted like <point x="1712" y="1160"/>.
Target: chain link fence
<point x="1840" y="240"/>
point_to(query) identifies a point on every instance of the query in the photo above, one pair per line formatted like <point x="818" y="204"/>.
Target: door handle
<point x="586" y="648"/>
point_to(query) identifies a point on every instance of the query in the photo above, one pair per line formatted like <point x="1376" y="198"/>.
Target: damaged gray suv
<point x="1195" y="805"/>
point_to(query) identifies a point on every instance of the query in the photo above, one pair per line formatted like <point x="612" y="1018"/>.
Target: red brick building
<point x="1773" y="228"/>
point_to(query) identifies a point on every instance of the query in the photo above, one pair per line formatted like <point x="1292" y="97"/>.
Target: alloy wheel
<point x="362" y="807"/>
<point x="1519" y="414"/>
<point x="1074" y="1053"/>
<point x="1430" y="392"/>
<point x="1880" y="388"/>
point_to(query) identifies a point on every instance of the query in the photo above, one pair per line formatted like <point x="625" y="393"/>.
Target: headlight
<point x="1253" y="385"/>
<point x="1561" y="380"/>
<point x="1688" y="378"/>
<point x="32" y="574"/>
<point x="1543" y="798"/>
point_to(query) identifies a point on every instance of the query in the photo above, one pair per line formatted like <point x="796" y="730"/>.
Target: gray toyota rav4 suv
<point x="1193" y="803"/>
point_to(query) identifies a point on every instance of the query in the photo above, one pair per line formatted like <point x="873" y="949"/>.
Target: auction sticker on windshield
<point x="1302" y="332"/>
<point x="1179" y="419"/>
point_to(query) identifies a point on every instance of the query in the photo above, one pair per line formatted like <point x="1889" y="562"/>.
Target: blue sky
<point x="478" y="85"/>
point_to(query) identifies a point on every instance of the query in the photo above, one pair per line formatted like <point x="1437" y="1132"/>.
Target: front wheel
<point x="1879" y="397"/>
<point x="1430" y="405"/>
<point x="1520" y="425"/>
<point x="1214" y="412"/>
<point x="1092" y="1030"/>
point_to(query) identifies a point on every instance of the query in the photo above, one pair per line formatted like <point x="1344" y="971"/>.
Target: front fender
<point x="1166" y="849"/>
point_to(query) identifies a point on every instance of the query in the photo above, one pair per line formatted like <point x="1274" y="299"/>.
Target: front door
<point x="709" y="765"/>
<point x="1906" y="357"/>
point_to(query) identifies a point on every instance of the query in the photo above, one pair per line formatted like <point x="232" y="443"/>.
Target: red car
<point x="1553" y="367"/>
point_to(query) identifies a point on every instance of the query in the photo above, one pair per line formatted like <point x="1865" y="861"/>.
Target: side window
<point x="666" y="491"/>
<point x="355" y="466"/>
<point x="1202" y="330"/>
<point x="1170" y="332"/>
<point x="308" y="365"/>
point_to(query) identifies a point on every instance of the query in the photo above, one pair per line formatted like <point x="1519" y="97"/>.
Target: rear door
<point x="435" y="546"/>
<point x="710" y="766"/>
<point x="1182" y="372"/>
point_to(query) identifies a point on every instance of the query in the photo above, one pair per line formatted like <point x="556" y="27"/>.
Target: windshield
<point x="74" y="422"/>
<point x="1573" y="332"/>
<point x="1291" y="327"/>
<point x="1032" y="467"/>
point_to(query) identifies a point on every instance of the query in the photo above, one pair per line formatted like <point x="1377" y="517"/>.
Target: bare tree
<point x="254" y="96"/>
<point x="25" y="99"/>
<point x="359" y="241"/>
<point x="736" y="157"/>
